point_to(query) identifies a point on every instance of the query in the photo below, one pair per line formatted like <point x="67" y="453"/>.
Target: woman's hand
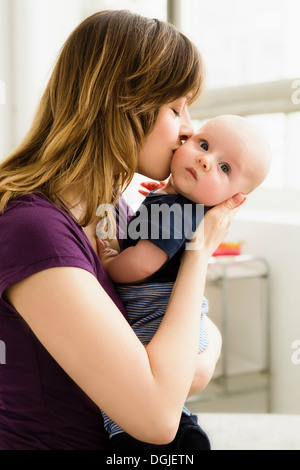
<point x="215" y="225"/>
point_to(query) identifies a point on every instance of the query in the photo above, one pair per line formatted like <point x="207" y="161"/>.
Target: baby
<point x="228" y="155"/>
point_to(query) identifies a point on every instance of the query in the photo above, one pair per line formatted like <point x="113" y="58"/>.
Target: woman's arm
<point x="142" y="389"/>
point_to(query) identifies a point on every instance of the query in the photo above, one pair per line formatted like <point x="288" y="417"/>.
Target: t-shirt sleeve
<point x="34" y="238"/>
<point x="168" y="221"/>
<point x="163" y="224"/>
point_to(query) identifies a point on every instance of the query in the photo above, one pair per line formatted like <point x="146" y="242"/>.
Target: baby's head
<point x="228" y="155"/>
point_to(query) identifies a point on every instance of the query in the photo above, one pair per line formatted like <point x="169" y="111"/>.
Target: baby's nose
<point x="204" y="163"/>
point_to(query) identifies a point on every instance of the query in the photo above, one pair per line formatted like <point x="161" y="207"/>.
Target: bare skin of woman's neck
<point x="74" y="202"/>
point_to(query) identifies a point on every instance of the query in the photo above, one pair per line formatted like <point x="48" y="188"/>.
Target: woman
<point x="116" y="103"/>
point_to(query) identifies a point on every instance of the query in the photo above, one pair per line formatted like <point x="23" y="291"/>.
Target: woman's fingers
<point x="234" y="202"/>
<point x="215" y="226"/>
<point x="228" y="209"/>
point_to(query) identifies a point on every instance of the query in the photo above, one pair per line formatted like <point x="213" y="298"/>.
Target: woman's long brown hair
<point x="113" y="74"/>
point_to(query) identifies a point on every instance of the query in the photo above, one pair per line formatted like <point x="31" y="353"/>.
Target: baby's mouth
<point x="192" y="172"/>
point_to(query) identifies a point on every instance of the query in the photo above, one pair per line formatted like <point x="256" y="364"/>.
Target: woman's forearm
<point x="173" y="351"/>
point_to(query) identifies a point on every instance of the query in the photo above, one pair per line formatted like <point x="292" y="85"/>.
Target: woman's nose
<point x="186" y="127"/>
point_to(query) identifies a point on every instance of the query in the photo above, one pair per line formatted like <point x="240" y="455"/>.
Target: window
<point x="249" y="41"/>
<point x="250" y="50"/>
<point x="153" y="9"/>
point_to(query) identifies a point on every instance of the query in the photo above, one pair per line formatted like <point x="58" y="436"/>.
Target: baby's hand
<point x="150" y="186"/>
<point x="105" y="252"/>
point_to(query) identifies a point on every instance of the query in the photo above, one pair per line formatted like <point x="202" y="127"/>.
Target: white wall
<point x="40" y="29"/>
<point x="31" y="35"/>
<point x="278" y="242"/>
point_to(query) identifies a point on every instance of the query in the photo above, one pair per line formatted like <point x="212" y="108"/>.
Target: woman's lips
<point x="192" y="172"/>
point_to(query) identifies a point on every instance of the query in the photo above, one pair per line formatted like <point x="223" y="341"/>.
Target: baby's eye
<point x="203" y="145"/>
<point x="224" y="167"/>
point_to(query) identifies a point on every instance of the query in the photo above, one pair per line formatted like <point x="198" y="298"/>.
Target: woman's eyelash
<point x="177" y="113"/>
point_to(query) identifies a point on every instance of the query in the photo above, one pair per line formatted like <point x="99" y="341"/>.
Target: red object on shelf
<point x="228" y="249"/>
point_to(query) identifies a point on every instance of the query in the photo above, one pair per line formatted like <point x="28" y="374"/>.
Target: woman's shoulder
<point x="33" y="216"/>
<point x="36" y="235"/>
<point x="36" y="207"/>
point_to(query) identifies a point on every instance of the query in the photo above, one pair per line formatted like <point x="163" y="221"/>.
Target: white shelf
<point x="236" y="372"/>
<point x="236" y="267"/>
<point x="238" y="365"/>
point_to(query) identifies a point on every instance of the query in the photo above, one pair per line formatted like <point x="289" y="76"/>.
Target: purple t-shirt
<point x="40" y="405"/>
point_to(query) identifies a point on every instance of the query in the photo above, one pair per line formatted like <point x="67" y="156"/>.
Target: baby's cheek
<point x="213" y="195"/>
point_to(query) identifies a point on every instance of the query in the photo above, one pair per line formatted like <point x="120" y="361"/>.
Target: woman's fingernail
<point x="238" y="198"/>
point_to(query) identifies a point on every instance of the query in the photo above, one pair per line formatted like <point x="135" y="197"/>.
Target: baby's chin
<point x="207" y="202"/>
<point x="210" y="200"/>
